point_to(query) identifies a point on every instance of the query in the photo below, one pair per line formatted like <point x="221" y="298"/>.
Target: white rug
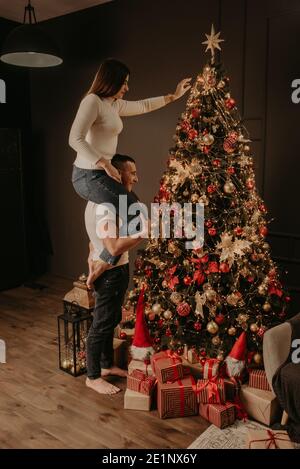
<point x="232" y="437"/>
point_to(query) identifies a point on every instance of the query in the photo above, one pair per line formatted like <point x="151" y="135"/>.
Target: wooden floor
<point x="43" y="407"/>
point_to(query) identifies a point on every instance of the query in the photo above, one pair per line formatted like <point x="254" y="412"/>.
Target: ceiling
<point x="44" y="9"/>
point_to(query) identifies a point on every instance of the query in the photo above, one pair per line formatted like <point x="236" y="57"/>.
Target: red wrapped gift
<point x="220" y="415"/>
<point x="167" y="366"/>
<point x="211" y="391"/>
<point x="211" y="368"/>
<point x="177" y="399"/>
<point x="258" y="380"/>
<point x="140" y="382"/>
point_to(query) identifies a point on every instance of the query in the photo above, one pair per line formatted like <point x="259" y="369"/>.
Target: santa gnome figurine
<point x="141" y="347"/>
<point x="235" y="360"/>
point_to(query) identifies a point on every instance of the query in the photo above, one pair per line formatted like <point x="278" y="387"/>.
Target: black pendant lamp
<point x="29" y="46"/>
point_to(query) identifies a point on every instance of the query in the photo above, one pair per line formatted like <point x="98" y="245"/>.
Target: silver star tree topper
<point x="213" y="42"/>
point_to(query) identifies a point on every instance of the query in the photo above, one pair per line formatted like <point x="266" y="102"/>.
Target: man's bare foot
<point x="101" y="386"/>
<point x="115" y="371"/>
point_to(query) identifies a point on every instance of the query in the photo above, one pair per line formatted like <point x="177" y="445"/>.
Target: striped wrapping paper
<point x="211" y="391"/>
<point x="140" y="382"/>
<point x="258" y="380"/>
<point x="211" y="368"/>
<point x="220" y="415"/>
<point x="167" y="366"/>
<point x="178" y="399"/>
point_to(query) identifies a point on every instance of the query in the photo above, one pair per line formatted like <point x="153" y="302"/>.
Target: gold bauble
<point x="212" y="327"/>
<point x="185" y="193"/>
<point x="208" y="139"/>
<point x="257" y="358"/>
<point x="175" y="297"/>
<point x="262" y="289"/>
<point x="66" y="364"/>
<point x="186" y="263"/>
<point x="232" y="331"/>
<point x="172" y="247"/>
<point x="267" y="307"/>
<point x="156" y="308"/>
<point x="194" y="198"/>
<point x="216" y="340"/>
<point x="233" y="299"/>
<point x="229" y="187"/>
<point x="210" y="294"/>
<point x="167" y="314"/>
<point x="246" y="148"/>
<point x="243" y="317"/>
<point x="254" y="327"/>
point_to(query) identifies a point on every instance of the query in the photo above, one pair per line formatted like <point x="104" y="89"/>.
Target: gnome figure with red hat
<point x="236" y="359"/>
<point x="141" y="347"/>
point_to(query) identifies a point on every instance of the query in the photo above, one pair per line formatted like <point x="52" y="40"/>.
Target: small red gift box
<point x="232" y="388"/>
<point x="258" y="380"/>
<point x="220" y="415"/>
<point x="178" y="399"/>
<point x="211" y="391"/>
<point x="167" y="366"/>
<point x="140" y="382"/>
<point x="211" y="368"/>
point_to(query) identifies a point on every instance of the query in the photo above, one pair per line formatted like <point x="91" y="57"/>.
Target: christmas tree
<point x="206" y="297"/>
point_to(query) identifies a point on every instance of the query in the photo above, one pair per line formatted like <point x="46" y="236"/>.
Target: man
<point x="110" y="286"/>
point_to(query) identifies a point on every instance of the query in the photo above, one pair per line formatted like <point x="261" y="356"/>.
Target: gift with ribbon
<point x="138" y="381"/>
<point x="268" y="439"/>
<point x="167" y="366"/>
<point x="232" y="388"/>
<point x="220" y="415"/>
<point x="211" y="391"/>
<point x="143" y="366"/>
<point x="258" y="380"/>
<point x="260" y="405"/>
<point x="211" y="368"/>
<point x="177" y="399"/>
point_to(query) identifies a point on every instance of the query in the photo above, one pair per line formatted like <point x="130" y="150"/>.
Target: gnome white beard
<point x="234" y="366"/>
<point x="140" y="353"/>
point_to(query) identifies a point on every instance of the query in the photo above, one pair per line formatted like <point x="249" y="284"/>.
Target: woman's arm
<point x="133" y="108"/>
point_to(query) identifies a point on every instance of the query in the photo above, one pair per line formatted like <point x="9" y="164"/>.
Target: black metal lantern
<point x="73" y="328"/>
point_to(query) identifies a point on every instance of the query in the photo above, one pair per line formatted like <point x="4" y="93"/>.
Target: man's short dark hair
<point x="118" y="160"/>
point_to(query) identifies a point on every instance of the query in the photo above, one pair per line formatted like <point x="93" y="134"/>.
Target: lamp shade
<point x="29" y="46"/>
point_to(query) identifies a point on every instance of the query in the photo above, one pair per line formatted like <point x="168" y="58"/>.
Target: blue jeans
<point x="110" y="289"/>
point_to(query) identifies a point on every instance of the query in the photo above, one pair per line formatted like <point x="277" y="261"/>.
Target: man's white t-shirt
<point x="96" y="217"/>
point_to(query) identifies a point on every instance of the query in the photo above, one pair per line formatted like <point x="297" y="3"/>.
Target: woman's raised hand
<point x="182" y="87"/>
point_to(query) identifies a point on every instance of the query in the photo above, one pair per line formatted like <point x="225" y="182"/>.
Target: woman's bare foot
<point x="101" y="386"/>
<point x="114" y="370"/>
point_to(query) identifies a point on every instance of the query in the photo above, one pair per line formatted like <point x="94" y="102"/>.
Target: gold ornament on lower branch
<point x="212" y="327"/>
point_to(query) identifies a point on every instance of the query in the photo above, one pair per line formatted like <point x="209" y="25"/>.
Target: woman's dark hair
<point x="109" y="78"/>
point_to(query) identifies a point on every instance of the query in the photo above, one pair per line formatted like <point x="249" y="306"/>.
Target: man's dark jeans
<point x="110" y="289"/>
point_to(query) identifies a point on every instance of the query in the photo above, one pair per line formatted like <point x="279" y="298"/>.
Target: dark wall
<point x="161" y="43"/>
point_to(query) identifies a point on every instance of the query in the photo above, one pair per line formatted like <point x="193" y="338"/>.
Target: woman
<point x="95" y="130"/>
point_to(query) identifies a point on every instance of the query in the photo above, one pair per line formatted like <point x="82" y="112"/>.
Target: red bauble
<point x="212" y="231"/>
<point x="209" y="223"/>
<point x="168" y="332"/>
<point x="123" y="335"/>
<point x="197" y="326"/>
<point x="183" y="309"/>
<point x="263" y="231"/>
<point x="263" y="208"/>
<point x="195" y="113"/>
<point x="187" y="280"/>
<point x="224" y="267"/>
<point x="216" y="163"/>
<point x="192" y="134"/>
<point x="160" y="323"/>
<point x="238" y="231"/>
<point x="211" y="188"/>
<point x="231" y="170"/>
<point x="157" y="340"/>
<point x="250" y="279"/>
<point x="203" y="353"/>
<point x="206" y="149"/>
<point x="230" y="103"/>
<point x="287" y="299"/>
<point x="219" y="319"/>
